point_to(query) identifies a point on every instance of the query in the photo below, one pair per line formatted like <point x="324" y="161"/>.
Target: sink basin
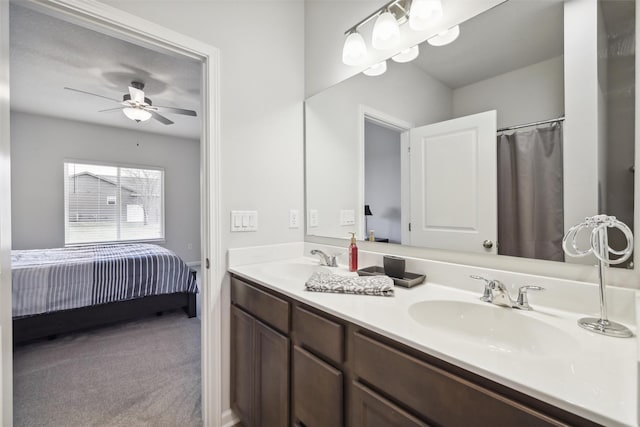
<point x="499" y="329"/>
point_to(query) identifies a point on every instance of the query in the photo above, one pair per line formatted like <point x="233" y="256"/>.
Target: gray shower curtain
<point x="530" y="193"/>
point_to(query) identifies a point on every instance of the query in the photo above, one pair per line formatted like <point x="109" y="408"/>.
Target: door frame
<point x="386" y="120"/>
<point x="115" y="22"/>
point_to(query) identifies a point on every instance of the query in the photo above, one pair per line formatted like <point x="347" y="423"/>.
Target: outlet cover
<point x="294" y="218"/>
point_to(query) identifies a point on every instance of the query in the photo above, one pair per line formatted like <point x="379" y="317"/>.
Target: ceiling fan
<point x="137" y="107"/>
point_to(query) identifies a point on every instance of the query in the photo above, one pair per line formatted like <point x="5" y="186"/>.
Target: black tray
<point x="408" y="281"/>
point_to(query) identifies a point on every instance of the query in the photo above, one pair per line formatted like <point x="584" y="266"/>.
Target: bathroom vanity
<point x="317" y="359"/>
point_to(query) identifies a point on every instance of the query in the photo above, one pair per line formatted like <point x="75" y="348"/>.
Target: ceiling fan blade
<point x="93" y="94"/>
<point x="177" y="110"/>
<point x="160" y="118"/>
<point x="109" y="110"/>
<point x="136" y="95"/>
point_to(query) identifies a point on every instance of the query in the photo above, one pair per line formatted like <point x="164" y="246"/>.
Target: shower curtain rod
<point x="559" y="119"/>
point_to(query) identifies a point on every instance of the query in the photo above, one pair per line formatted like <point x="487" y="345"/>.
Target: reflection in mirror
<point x="496" y="143"/>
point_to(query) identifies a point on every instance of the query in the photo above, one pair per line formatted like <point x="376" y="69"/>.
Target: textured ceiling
<point x="48" y="54"/>
<point x="512" y="35"/>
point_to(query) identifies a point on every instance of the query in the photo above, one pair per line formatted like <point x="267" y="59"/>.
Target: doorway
<point x="118" y="24"/>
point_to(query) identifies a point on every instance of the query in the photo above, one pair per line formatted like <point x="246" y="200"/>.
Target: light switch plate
<point x="294" y="218"/>
<point x="347" y="217"/>
<point x="244" y="221"/>
<point x="313" y="217"/>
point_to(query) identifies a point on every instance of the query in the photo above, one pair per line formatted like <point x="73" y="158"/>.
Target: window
<point x="134" y="208"/>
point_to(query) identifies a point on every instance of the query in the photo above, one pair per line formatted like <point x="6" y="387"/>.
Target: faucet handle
<point x="487" y="296"/>
<point x="522" y="302"/>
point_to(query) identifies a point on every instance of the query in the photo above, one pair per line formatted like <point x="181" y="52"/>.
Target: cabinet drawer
<point x="371" y="410"/>
<point x="439" y="396"/>
<point x="317" y="392"/>
<point x="320" y="334"/>
<point x="268" y="308"/>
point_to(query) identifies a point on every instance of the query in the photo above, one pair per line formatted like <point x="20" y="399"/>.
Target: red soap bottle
<point x="353" y="254"/>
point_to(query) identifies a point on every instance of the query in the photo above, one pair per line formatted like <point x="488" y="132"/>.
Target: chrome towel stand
<point x="598" y="225"/>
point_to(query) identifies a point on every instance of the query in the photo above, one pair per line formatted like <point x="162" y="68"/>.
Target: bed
<point x="62" y="290"/>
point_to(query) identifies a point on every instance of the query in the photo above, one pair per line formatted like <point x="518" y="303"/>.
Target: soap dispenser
<point x="353" y="254"/>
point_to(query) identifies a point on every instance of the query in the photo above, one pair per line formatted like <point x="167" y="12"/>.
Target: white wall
<point x="262" y="89"/>
<point x="382" y="181"/>
<point x="327" y="20"/>
<point x="525" y="95"/>
<point x="39" y="146"/>
<point x="333" y="129"/>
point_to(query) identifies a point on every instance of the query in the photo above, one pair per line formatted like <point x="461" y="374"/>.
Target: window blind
<point x="105" y="203"/>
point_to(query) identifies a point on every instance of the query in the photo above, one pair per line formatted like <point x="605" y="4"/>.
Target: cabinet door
<point x="317" y="391"/>
<point x="371" y="410"/>
<point x="242" y="365"/>
<point x="272" y="377"/>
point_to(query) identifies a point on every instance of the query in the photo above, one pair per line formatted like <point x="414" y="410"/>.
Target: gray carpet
<point x="143" y="373"/>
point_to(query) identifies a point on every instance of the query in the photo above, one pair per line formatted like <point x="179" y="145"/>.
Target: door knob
<point x="487" y="244"/>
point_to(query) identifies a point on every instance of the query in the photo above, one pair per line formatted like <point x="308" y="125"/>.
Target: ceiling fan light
<point x="407" y="55"/>
<point x="386" y="32"/>
<point x="376" y="69"/>
<point x="136" y="114"/>
<point x="445" y="37"/>
<point x="354" y="50"/>
<point x="423" y="13"/>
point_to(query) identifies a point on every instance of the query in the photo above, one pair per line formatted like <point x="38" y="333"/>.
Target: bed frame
<point x="49" y="325"/>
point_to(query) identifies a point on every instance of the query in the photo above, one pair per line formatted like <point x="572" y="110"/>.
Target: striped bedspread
<point x="47" y="280"/>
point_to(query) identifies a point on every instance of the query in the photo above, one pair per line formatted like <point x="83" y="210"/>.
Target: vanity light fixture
<point x="407" y="55"/>
<point x="423" y="13"/>
<point x="386" y="31"/>
<point x="354" y="51"/>
<point x="445" y="37"/>
<point x="376" y="69"/>
<point x="385" y="35"/>
<point x="136" y="114"/>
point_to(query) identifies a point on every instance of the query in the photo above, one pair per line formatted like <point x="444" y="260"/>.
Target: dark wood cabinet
<point x="369" y="409"/>
<point x="317" y="391"/>
<point x="291" y="363"/>
<point x="259" y="372"/>
<point x="242" y="365"/>
<point x="272" y="377"/>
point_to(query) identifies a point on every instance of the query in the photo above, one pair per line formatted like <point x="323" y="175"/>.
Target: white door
<point x="454" y="196"/>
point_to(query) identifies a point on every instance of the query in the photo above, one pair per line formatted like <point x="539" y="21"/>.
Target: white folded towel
<point x="367" y="285"/>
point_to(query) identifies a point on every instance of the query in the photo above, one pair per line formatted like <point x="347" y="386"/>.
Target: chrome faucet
<point x="328" y="260"/>
<point x="495" y="292"/>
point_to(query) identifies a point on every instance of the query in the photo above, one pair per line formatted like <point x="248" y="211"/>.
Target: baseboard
<point x="229" y="419"/>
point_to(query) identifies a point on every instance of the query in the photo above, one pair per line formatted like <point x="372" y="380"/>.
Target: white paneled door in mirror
<point x="454" y="200"/>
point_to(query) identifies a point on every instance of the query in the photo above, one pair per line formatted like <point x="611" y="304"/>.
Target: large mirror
<point x="496" y="143"/>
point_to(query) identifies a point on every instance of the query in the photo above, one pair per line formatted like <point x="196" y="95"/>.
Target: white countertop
<point x="588" y="374"/>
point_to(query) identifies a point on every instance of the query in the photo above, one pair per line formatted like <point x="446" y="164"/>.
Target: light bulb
<point x="407" y="55"/>
<point x="423" y="13"/>
<point x="445" y="37"/>
<point x="386" y="32"/>
<point x="137" y="114"/>
<point x="354" y="50"/>
<point x="376" y="69"/>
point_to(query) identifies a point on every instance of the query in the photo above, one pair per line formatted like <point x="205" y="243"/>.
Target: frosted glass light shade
<point x="445" y="37"/>
<point x="424" y="13"/>
<point x="386" y="32"/>
<point x="355" y="50"/>
<point x="376" y="69"/>
<point x="136" y="114"/>
<point x="407" y="55"/>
